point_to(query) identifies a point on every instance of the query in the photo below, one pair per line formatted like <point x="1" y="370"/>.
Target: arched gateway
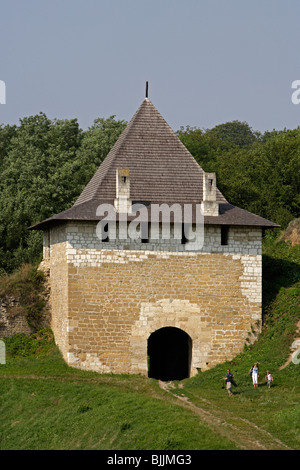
<point x="169" y="354"/>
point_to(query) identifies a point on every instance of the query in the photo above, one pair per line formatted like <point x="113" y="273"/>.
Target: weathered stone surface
<point x="12" y="318"/>
<point x="106" y="300"/>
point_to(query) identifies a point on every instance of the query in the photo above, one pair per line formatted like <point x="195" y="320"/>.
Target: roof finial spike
<point x="146" y="89"/>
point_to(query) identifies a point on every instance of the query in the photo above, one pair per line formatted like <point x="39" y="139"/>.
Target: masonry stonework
<point x="12" y="319"/>
<point x="106" y="302"/>
<point x="58" y="272"/>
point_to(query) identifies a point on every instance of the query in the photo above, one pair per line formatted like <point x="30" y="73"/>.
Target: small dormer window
<point x="122" y="201"/>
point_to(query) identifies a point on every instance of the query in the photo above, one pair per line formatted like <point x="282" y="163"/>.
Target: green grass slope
<point x="45" y="404"/>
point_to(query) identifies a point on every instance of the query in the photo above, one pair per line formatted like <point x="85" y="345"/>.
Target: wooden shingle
<point x="161" y="168"/>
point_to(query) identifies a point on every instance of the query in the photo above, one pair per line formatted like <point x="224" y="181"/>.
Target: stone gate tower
<point x="130" y="297"/>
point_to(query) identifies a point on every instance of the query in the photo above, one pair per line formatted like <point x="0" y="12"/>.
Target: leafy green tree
<point x="45" y="165"/>
<point x="232" y="134"/>
<point x="206" y="145"/>
<point x="96" y="144"/>
<point x="259" y="173"/>
<point x="278" y="176"/>
<point x="6" y="134"/>
<point x="199" y="145"/>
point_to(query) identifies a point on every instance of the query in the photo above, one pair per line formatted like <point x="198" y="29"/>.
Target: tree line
<point x="45" y="164"/>
<point x="257" y="172"/>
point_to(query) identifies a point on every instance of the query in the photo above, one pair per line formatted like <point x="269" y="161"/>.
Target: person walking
<point x="229" y="380"/>
<point x="255" y="375"/>
<point x="269" y="379"/>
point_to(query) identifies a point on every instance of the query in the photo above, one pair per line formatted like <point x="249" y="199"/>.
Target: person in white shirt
<point x="255" y="375"/>
<point x="269" y="379"/>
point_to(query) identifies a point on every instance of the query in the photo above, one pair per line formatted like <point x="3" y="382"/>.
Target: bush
<point x="27" y="286"/>
<point x="21" y="345"/>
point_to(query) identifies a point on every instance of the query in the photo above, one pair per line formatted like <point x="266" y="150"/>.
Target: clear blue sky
<point x="207" y="61"/>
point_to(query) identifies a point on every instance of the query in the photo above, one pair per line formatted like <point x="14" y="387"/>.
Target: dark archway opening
<point x="169" y="354"/>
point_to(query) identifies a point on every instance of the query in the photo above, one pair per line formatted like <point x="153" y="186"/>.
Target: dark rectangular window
<point x="224" y="234"/>
<point x="105" y="237"/>
<point x="144" y="232"/>
<point x="183" y="237"/>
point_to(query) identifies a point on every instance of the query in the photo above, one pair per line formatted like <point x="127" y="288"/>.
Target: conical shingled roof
<point x="160" y="166"/>
<point x="161" y="169"/>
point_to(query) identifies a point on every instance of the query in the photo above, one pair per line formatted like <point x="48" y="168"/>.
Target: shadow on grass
<point x="276" y="273"/>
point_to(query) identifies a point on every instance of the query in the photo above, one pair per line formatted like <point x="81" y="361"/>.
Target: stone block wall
<point x="58" y="300"/>
<point x="12" y="319"/>
<point x="107" y="299"/>
<point x="83" y="236"/>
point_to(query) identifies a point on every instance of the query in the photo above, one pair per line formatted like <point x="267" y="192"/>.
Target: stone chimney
<point x="122" y="202"/>
<point x="209" y="205"/>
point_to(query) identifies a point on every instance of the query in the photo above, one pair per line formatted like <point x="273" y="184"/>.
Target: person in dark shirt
<point x="229" y="381"/>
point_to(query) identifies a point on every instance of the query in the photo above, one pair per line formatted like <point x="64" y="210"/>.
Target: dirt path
<point x="243" y="433"/>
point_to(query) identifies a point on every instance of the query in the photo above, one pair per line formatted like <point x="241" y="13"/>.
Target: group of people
<point x="254" y="374"/>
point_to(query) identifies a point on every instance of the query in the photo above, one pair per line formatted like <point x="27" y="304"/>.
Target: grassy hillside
<point x="47" y="405"/>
